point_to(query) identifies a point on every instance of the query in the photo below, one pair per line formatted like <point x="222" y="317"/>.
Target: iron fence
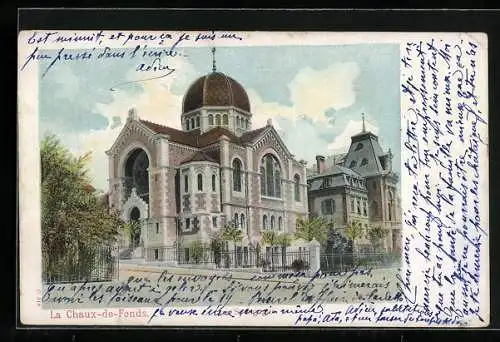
<point x="341" y="262"/>
<point x="89" y="264"/>
<point x="269" y="260"/>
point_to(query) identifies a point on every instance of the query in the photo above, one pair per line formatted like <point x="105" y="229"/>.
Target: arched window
<point x="225" y="121"/>
<point x="353" y="164"/>
<point x="246" y="124"/>
<point x="242" y="221"/>
<point x="390" y="206"/>
<point x="236" y="175"/>
<point x="374" y="208"/>
<point x="200" y="182"/>
<point x="213" y="183"/>
<point x="359" y="146"/>
<point x="272" y="222"/>
<point x="192" y="123"/>
<point x="270" y="176"/>
<point x="217" y="120"/>
<point x="237" y="121"/>
<point x="211" y="120"/>
<point x="187" y="124"/>
<point x="264" y="222"/>
<point x="186" y="183"/>
<point x="364" y="162"/>
<point x="296" y="187"/>
<point x="236" y="220"/>
<point x="197" y="121"/>
<point x="280" y="223"/>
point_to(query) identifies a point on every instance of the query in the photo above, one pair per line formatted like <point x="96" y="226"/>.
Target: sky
<point x="314" y="95"/>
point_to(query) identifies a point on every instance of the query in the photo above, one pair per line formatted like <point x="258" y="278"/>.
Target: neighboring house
<point x="364" y="189"/>
<point x="185" y="184"/>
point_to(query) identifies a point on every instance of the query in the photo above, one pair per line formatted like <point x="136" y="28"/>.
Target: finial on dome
<point x="269" y="122"/>
<point x="132" y="114"/>
<point x="214" y="68"/>
<point x="363" y="117"/>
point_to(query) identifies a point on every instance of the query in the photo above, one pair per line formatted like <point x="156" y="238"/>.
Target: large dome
<point x="215" y="89"/>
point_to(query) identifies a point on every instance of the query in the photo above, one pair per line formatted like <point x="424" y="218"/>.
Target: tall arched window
<point x="242" y="221"/>
<point x="272" y="222"/>
<point x="186" y="183"/>
<point x="236" y="220"/>
<point x="270" y="176"/>
<point x="246" y="124"/>
<point x="211" y="120"/>
<point x="197" y="121"/>
<point x="217" y="120"/>
<point x="237" y="121"/>
<point x="192" y="123"/>
<point x="296" y="187"/>
<point x="187" y="124"/>
<point x="225" y="121"/>
<point x="213" y="183"/>
<point x="264" y="222"/>
<point x="280" y="223"/>
<point x="236" y="175"/>
<point x="390" y="206"/>
<point x="200" y="182"/>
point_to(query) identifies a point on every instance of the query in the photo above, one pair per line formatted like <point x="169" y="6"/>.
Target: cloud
<point x="343" y="140"/>
<point x="315" y="94"/>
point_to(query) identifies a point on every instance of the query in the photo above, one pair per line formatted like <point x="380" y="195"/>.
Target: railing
<point x="241" y="257"/>
<point x="92" y="265"/>
<point x="341" y="262"/>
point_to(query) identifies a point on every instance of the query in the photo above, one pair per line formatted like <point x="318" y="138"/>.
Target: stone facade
<point x="191" y="177"/>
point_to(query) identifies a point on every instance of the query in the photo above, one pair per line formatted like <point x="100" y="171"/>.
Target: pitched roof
<point x="195" y="139"/>
<point x="200" y="156"/>
<point x="335" y="170"/>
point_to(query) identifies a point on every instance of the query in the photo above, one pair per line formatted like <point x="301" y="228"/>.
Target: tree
<point x="75" y="222"/>
<point x="270" y="238"/>
<point x="284" y="240"/>
<point x="196" y="250"/>
<point x="232" y="233"/>
<point x="312" y="228"/>
<point x="354" y="231"/>
<point x="376" y="235"/>
<point x="217" y="245"/>
<point x="132" y="229"/>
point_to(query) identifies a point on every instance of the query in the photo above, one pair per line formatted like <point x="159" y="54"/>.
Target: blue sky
<point x="314" y="94"/>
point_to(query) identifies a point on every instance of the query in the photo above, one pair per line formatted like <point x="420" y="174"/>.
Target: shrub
<point x="299" y="265"/>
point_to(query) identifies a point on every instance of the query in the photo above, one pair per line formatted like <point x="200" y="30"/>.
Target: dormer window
<point x="353" y="164"/>
<point x="364" y="162"/>
<point x="359" y="146"/>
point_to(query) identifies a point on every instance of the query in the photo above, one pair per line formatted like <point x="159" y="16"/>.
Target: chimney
<point x="320" y="164"/>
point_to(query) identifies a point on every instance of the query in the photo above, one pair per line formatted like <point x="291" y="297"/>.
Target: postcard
<point x="215" y="178"/>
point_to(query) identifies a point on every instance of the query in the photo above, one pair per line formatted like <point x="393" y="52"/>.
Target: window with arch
<point x="236" y="175"/>
<point x="246" y="124"/>
<point x="200" y="182"/>
<point x="217" y="120"/>
<point x="242" y="221"/>
<point x="280" y="223"/>
<point x="353" y="164"/>
<point x="359" y="146"/>
<point x="225" y="120"/>
<point x="197" y="121"/>
<point x="390" y="206"/>
<point x="364" y="162"/>
<point x="270" y="176"/>
<point x="374" y="208"/>
<point x="192" y="123"/>
<point x="237" y="121"/>
<point x="214" y="187"/>
<point x="236" y="220"/>
<point x="296" y="187"/>
<point x="186" y="183"/>
<point x="211" y="120"/>
<point x="264" y="222"/>
<point x="187" y="124"/>
<point x="272" y="222"/>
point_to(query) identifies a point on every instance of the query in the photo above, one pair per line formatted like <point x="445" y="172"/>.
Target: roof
<point x="215" y="89"/>
<point x="335" y="170"/>
<point x="200" y="156"/>
<point x="195" y="139"/>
